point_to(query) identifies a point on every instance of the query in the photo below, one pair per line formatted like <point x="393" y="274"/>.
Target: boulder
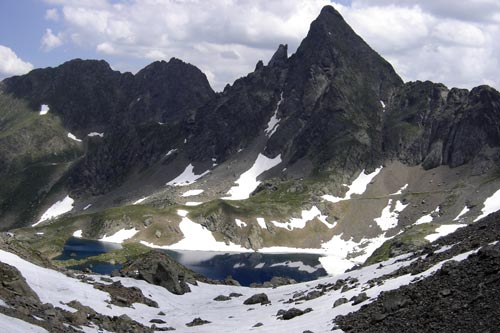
<point x="256" y="299"/>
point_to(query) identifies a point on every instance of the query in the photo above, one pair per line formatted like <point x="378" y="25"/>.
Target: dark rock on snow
<point x="256" y="299"/>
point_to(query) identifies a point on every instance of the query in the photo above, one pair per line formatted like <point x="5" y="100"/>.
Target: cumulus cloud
<point x="431" y="40"/>
<point x="225" y="38"/>
<point x="11" y="64"/>
<point x="423" y="39"/>
<point x="52" y="14"/>
<point x="50" y="40"/>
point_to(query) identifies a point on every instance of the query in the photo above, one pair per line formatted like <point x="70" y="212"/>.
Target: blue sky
<point x="456" y="45"/>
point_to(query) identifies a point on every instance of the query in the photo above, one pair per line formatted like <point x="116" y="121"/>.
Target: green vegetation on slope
<point x="35" y="152"/>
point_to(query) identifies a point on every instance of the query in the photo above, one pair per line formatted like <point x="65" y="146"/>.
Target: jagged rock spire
<point x="280" y="57"/>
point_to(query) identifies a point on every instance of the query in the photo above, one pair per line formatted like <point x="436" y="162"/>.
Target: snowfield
<point x="443" y="231"/>
<point x="60" y="207"/>
<point x="187" y="177"/>
<point x="14" y="325"/>
<point x="248" y="182"/>
<point x="390" y="217"/>
<point x="198" y="238"/>
<point x="120" y="236"/>
<point x="358" y="186"/>
<point x="300" y="223"/>
<point x="491" y="205"/>
<point x="228" y="316"/>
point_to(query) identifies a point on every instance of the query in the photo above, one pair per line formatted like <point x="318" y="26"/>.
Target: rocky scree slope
<point x="460" y="297"/>
<point x="450" y="283"/>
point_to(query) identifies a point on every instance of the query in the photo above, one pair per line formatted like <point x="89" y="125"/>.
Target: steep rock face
<point x="236" y="116"/>
<point x="86" y="94"/>
<point x="330" y="90"/>
<point x="89" y="96"/>
<point x="109" y="160"/>
<point x="325" y="100"/>
<point x="166" y="91"/>
<point x="427" y="123"/>
<point x="331" y="97"/>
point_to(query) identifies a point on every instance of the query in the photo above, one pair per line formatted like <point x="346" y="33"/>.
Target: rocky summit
<point x="326" y="151"/>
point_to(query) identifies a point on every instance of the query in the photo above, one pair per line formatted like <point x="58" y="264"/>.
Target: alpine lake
<point x="246" y="268"/>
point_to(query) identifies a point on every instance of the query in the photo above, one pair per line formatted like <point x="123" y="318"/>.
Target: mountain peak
<point x="279" y="57"/>
<point x="328" y="10"/>
<point x="332" y="43"/>
<point x="331" y="25"/>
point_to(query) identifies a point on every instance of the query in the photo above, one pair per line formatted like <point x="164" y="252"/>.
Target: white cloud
<point x="226" y="38"/>
<point x="11" y="64"/>
<point x="52" y="14"/>
<point x="50" y="40"/>
<point x="455" y="44"/>
<point x="431" y="40"/>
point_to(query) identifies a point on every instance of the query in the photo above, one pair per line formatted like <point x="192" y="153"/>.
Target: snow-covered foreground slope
<point x="224" y="316"/>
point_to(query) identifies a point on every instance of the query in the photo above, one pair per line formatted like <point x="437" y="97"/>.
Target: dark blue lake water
<point x="246" y="268"/>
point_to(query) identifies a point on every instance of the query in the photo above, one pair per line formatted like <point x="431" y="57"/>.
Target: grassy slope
<point x="35" y="152"/>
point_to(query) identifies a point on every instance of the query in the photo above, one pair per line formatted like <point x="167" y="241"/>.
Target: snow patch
<point x="338" y="250"/>
<point x="400" y="191"/>
<point x="443" y="249"/>
<point x="193" y="203"/>
<point x="44" y="109"/>
<point x="262" y="222"/>
<point x="170" y="152"/>
<point x="389" y="218"/>
<point x="297" y="264"/>
<point x="240" y="223"/>
<point x="187" y="177"/>
<point x="273" y="123"/>
<point x="491" y="205"/>
<point x="248" y="182"/>
<point x="120" y="236"/>
<point x="15" y="325"/>
<point x="426" y="218"/>
<point x="73" y="137"/>
<point x="197" y="238"/>
<point x="443" y="231"/>
<point x="78" y="234"/>
<point x="358" y="186"/>
<point x="462" y="213"/>
<point x="300" y="223"/>
<point x="139" y="201"/>
<point x="192" y="193"/>
<point x="60" y="207"/>
<point x="259" y="265"/>
<point x="87" y="207"/>
<point x="92" y="134"/>
<point x="383" y="104"/>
